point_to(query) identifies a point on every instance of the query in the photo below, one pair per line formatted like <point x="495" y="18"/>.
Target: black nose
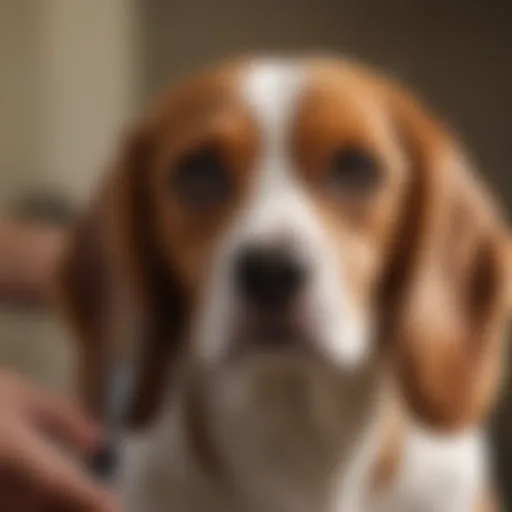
<point x="268" y="277"/>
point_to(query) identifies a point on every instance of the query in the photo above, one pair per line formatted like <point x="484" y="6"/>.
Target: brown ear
<point x="115" y="289"/>
<point x="450" y="281"/>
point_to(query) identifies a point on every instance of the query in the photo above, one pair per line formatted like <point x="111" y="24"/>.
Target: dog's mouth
<point x="271" y="335"/>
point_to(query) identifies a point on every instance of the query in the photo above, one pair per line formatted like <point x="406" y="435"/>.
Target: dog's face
<point x="276" y="206"/>
<point x="306" y="206"/>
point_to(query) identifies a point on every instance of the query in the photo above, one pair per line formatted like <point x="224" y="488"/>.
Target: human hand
<point x="34" y="475"/>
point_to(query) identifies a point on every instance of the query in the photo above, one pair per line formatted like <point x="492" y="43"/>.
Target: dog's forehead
<point x="285" y="97"/>
<point x="274" y="93"/>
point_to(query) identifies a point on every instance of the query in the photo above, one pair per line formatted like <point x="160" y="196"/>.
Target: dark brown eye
<point x="353" y="171"/>
<point x="200" y="178"/>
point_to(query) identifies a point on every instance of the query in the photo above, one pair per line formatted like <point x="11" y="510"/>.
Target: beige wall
<point x="67" y="79"/>
<point x="67" y="71"/>
<point x="18" y="96"/>
<point x="87" y="80"/>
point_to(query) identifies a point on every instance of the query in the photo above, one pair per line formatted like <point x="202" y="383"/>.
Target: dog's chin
<point x="274" y="382"/>
<point x="277" y="362"/>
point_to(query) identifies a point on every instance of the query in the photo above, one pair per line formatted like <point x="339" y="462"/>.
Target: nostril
<point x="268" y="277"/>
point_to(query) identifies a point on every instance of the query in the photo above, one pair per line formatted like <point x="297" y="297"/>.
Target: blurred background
<point x="74" y="72"/>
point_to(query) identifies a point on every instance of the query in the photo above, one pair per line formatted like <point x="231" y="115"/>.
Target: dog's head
<point x="305" y="206"/>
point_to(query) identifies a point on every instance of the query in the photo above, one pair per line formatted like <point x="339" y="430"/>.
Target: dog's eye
<point x="353" y="171"/>
<point x="200" y="178"/>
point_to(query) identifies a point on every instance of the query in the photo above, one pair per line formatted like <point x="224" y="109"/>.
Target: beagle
<point x="312" y="283"/>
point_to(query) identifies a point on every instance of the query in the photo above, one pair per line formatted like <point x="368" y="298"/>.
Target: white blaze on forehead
<point x="273" y="92"/>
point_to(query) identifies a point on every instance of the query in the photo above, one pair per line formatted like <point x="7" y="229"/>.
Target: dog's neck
<point x="284" y="438"/>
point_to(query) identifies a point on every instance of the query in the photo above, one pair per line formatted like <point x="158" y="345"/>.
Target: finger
<point x="64" y="420"/>
<point x="54" y="414"/>
<point x="52" y="475"/>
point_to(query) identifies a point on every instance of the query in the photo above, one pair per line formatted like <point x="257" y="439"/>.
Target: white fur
<point x="438" y="473"/>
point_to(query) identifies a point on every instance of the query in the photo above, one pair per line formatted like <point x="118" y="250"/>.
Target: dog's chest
<point x="180" y="485"/>
<point x="265" y="466"/>
<point x="164" y="474"/>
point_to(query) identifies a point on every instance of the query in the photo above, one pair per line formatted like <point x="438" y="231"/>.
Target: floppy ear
<point x="450" y="281"/>
<point x="115" y="289"/>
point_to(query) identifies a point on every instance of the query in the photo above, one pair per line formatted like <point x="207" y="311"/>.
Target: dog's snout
<point x="268" y="277"/>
